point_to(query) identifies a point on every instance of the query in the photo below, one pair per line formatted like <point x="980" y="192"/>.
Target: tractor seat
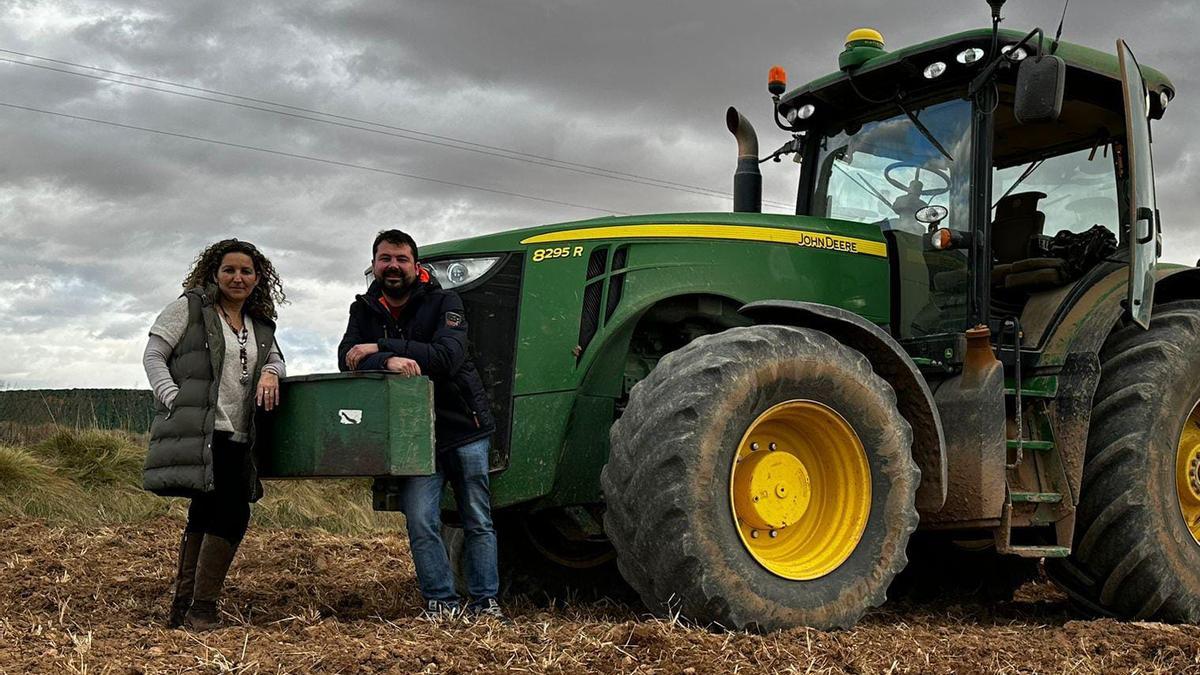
<point x="1017" y="222"/>
<point x="1031" y="274"/>
<point x="1017" y="225"/>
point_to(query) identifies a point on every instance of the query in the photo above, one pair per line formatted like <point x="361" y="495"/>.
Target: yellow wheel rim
<point x="1187" y="473"/>
<point x="800" y="490"/>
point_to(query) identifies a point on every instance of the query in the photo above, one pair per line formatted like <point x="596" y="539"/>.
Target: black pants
<point x="225" y="512"/>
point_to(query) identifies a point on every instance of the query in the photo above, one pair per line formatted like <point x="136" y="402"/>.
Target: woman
<point x="211" y="358"/>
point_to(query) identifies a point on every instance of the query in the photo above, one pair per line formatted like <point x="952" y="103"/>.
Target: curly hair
<point x="267" y="292"/>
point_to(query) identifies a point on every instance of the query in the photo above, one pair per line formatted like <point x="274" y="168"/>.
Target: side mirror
<point x="1039" y="95"/>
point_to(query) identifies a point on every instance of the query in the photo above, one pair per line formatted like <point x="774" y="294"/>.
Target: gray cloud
<point x="98" y="224"/>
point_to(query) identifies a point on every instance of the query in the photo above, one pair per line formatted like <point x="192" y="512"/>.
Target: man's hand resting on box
<point x="359" y="352"/>
<point x="406" y="367"/>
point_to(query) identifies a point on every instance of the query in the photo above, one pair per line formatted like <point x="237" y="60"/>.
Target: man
<point x="406" y="323"/>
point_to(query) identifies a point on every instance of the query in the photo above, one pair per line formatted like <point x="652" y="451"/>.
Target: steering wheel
<point x="925" y="192"/>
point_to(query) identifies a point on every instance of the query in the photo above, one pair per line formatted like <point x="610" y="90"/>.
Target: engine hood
<point x="811" y="232"/>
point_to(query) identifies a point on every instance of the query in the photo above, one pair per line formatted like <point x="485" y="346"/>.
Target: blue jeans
<point x="466" y="468"/>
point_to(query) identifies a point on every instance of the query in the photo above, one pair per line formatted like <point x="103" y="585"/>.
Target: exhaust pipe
<point x="747" y="181"/>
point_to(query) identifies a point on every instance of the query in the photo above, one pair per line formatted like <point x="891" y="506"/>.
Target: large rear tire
<point x="1135" y="554"/>
<point x="761" y="478"/>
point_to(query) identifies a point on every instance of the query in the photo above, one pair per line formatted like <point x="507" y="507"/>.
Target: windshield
<point x="886" y="171"/>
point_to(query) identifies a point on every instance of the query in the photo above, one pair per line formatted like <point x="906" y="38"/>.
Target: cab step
<point x="1044" y="386"/>
<point x="1030" y="393"/>
<point x="1031" y="445"/>
<point x="1036" y="497"/>
<point x="1039" y="551"/>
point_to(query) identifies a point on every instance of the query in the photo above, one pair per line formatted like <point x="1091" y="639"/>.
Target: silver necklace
<point x="242" y="337"/>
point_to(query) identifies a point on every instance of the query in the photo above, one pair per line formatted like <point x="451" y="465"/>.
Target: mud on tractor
<point x="960" y="347"/>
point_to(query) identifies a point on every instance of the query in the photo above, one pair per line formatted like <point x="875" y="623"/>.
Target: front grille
<point x="491" y="309"/>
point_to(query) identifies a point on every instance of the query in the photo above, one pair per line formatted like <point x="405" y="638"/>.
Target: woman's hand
<point x="267" y="395"/>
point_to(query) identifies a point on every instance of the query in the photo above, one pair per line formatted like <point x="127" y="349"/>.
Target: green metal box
<point x="348" y="424"/>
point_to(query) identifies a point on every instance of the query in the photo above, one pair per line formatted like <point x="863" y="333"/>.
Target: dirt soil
<point x="95" y="600"/>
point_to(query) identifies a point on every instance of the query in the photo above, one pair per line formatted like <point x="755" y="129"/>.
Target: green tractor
<point x="961" y="333"/>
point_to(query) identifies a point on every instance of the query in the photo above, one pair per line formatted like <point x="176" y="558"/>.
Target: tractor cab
<point x="997" y="166"/>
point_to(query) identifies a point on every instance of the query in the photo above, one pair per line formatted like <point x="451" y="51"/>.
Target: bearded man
<point x="407" y="324"/>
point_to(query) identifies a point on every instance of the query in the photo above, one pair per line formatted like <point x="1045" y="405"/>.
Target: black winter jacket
<point x="431" y="330"/>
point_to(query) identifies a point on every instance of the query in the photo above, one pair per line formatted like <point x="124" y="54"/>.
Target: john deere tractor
<point x="962" y="331"/>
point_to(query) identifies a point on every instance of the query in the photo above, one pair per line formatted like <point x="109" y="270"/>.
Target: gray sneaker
<point x="441" y="610"/>
<point x="486" y="608"/>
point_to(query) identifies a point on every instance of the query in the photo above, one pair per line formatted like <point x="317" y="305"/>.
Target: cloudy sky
<point x="99" y="223"/>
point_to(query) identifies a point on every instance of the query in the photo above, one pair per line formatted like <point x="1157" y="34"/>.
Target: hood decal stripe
<point x="774" y="235"/>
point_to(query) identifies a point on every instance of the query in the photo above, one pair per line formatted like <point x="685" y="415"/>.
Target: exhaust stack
<point x="747" y="181"/>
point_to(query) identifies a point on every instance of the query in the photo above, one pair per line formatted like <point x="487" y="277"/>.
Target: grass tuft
<point x="19" y="469"/>
<point x="94" y="456"/>
<point x="338" y="506"/>
<point x="33" y="487"/>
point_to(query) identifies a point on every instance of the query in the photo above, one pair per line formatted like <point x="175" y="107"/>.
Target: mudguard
<point x="893" y="364"/>
<point x="1073" y="343"/>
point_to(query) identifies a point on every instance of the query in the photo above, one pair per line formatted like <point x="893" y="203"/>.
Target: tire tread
<point x="1117" y="567"/>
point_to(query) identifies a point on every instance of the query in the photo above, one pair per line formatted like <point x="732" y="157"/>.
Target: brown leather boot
<point x="185" y="577"/>
<point x="216" y="555"/>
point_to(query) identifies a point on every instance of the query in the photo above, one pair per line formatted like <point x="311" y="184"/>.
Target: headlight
<point x="934" y="69"/>
<point x="969" y="55"/>
<point x="802" y="113"/>
<point x="1018" y="55"/>
<point x="460" y="271"/>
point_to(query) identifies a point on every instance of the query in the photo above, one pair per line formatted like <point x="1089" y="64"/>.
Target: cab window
<point x="1080" y="189"/>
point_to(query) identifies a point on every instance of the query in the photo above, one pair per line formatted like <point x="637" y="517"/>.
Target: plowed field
<point x="298" y="601"/>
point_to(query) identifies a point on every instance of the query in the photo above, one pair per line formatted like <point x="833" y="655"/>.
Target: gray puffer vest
<point x="179" y="462"/>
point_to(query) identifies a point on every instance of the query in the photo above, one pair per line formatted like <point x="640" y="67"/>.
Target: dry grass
<point x="341" y="506"/>
<point x="94" y="477"/>
<point x="19" y="468"/>
<point x="93" y="457"/>
<point x="30" y="486"/>
<point x="85" y="571"/>
<point x="93" y="600"/>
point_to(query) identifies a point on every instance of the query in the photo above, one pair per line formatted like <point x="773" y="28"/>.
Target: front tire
<point x="1136" y="555"/>
<point x="761" y="478"/>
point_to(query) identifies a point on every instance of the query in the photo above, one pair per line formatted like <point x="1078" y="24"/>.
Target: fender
<point x="1091" y="316"/>
<point x="893" y="364"/>
<point x="1074" y="345"/>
